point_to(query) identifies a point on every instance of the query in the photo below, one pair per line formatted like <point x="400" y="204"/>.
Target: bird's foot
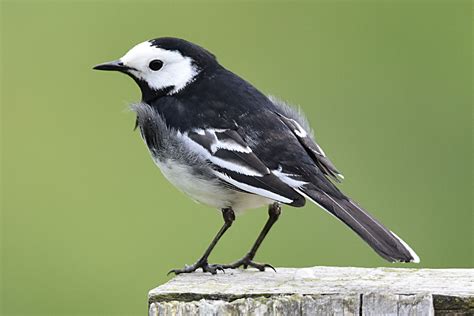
<point x="246" y="262"/>
<point x="204" y="265"/>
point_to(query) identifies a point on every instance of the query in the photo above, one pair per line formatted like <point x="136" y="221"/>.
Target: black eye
<point x="155" y="64"/>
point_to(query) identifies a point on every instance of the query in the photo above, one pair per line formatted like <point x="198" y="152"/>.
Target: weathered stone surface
<point x="318" y="291"/>
<point x="395" y="304"/>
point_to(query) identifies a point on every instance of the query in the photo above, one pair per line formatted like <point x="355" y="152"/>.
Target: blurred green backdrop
<point x="89" y="224"/>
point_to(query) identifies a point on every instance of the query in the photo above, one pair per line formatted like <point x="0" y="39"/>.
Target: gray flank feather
<point x="292" y="116"/>
<point x="163" y="141"/>
<point x="292" y="112"/>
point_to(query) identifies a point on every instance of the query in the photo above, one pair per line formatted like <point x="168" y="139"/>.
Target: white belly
<point x="208" y="191"/>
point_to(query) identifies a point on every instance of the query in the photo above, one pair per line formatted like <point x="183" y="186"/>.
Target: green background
<point x="89" y="224"/>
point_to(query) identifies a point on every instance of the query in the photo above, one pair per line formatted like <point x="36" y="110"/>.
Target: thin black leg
<point x="274" y="212"/>
<point x="229" y="217"/>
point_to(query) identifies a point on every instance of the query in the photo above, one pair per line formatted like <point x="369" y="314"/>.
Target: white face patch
<point x="177" y="70"/>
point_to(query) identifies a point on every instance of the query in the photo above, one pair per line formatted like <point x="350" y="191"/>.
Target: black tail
<point x="383" y="241"/>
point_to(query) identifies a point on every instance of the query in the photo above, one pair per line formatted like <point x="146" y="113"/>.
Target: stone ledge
<point x="318" y="291"/>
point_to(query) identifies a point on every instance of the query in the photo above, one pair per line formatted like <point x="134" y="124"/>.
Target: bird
<point x="227" y="145"/>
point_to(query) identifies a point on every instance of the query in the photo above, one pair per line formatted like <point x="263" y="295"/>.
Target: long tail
<point x="386" y="243"/>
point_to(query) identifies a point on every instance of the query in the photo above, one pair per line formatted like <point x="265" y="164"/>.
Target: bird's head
<point x="162" y="66"/>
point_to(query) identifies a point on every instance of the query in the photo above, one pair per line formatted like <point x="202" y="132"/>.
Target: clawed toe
<point x="247" y="262"/>
<point x="206" y="267"/>
<point x="260" y="266"/>
<point x="186" y="269"/>
<point x="214" y="268"/>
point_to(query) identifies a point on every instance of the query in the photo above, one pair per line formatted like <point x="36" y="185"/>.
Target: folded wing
<point x="234" y="162"/>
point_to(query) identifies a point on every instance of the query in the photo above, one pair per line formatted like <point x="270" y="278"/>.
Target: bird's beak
<point x="115" y="65"/>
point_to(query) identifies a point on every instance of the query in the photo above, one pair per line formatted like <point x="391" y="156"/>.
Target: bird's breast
<point x="207" y="190"/>
<point x="200" y="188"/>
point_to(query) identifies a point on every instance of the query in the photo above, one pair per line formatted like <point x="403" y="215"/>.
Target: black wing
<point x="312" y="148"/>
<point x="235" y="163"/>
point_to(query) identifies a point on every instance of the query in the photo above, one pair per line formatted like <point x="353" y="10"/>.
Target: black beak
<point x="115" y="65"/>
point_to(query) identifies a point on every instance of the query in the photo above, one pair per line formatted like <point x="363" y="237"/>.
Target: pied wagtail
<point x="227" y="145"/>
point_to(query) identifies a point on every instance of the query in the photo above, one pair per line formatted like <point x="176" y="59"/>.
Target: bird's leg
<point x="202" y="263"/>
<point x="274" y="212"/>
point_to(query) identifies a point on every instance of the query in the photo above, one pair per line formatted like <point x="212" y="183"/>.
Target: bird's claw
<point x="205" y="266"/>
<point x="213" y="268"/>
<point x="246" y="262"/>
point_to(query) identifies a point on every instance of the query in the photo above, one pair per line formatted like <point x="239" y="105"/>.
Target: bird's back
<point x="223" y="100"/>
